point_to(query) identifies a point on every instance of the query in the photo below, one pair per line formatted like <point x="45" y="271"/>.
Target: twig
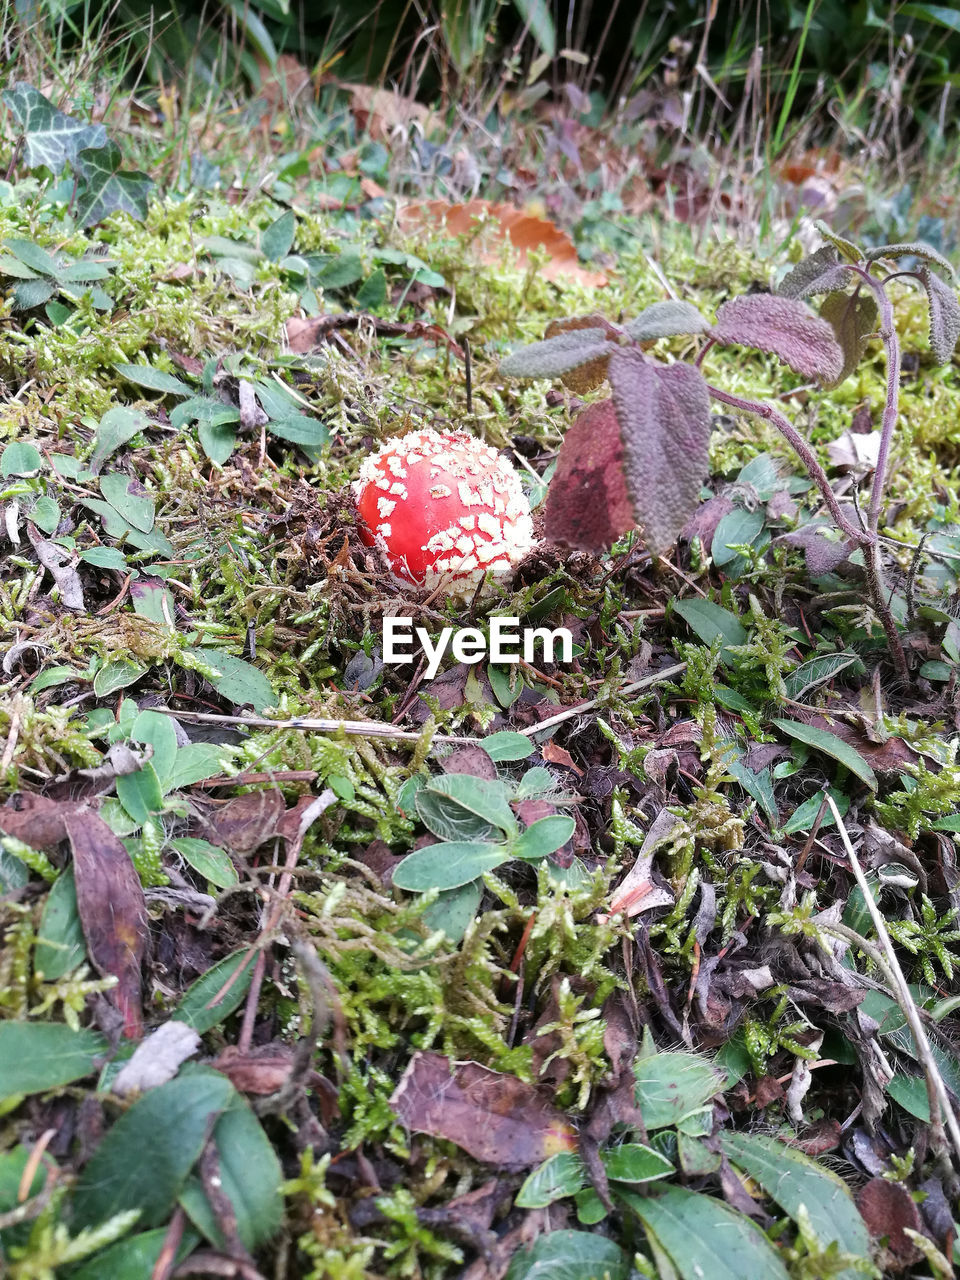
<point x="356" y="728"/>
<point x="661" y="676"/>
<point x="936" y="1089"/>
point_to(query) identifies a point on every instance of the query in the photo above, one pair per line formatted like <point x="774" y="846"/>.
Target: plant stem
<point x="867" y="539"/>
<point x="891" y="346"/>
<point x="809" y="459"/>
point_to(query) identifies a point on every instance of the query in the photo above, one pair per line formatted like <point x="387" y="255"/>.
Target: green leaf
<point x="345" y="269"/>
<point x="33" y="293"/>
<point x="821" y="272"/>
<point x="507" y="745"/>
<point x="277" y="241"/>
<point x="561" y="1176"/>
<point x="117" y="675"/>
<point x="804" y="816"/>
<point x="537" y="17"/>
<point x="454" y="910"/>
<point x="671" y="1085"/>
<point x="664" y="319"/>
<point x="449" y="820"/>
<point x="239" y="250"/>
<point x="940" y="14"/>
<point x="759" y="786"/>
<point x="197" y="1008"/>
<point x="144" y="1159"/>
<point x="238" y="681"/>
<point x="133" y="1258"/>
<point x="107" y="189"/>
<point x="299" y="429"/>
<point x="157" y="730"/>
<point x="251" y="1179"/>
<point x="817" y="671"/>
<point x="128" y="499"/>
<point x="105" y="558"/>
<point x="207" y="860"/>
<point x="152" y="600"/>
<point x="484" y="798"/>
<point x="570" y="1255"/>
<point x="448" y="865"/>
<point x="46" y="514"/>
<point x="543" y="837"/>
<point x="847" y="248"/>
<point x="710" y="622"/>
<point x="195" y="761"/>
<point x="373" y="292"/>
<point x="20" y="459"/>
<point x="911" y="249"/>
<point x="217" y="440"/>
<point x="829" y="745"/>
<point x="792" y="1179"/>
<point x="53" y="676"/>
<point x="557" y="355"/>
<point x="60" y="944"/>
<point x="144" y="375"/>
<point x="51" y="137"/>
<point x="117" y="426"/>
<point x="635" y="1163"/>
<point x="736" y="528"/>
<point x="853" y="318"/>
<point x="140" y="793"/>
<point x="704" y="1237"/>
<point x="34" y="257"/>
<point x="36" y="1056"/>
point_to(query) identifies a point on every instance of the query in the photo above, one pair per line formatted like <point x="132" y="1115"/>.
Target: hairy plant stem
<point x="867" y="539"/>
<point x="891" y="346"/>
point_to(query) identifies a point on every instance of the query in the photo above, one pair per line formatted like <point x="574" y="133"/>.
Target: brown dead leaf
<point x="112" y="909"/>
<point x="494" y="1117"/>
<point x="637" y="891"/>
<point x="247" y="822"/>
<point x="523" y="231"/>
<point x="379" y="111"/>
<point x="35" y="820"/>
<point x="887" y="1208"/>
<point x="262" y="1070"/>
<point x="557" y="755"/>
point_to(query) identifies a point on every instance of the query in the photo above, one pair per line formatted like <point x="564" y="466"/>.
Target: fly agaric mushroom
<point x="443" y="508"/>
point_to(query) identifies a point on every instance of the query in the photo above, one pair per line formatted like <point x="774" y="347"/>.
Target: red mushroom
<point x="443" y="508"/>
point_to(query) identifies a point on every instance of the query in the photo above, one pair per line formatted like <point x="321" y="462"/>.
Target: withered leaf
<point x="112" y="909"/>
<point x="37" y="821"/>
<point x="248" y="821"/>
<point x="494" y="1117"/>
<point x="588" y="506"/>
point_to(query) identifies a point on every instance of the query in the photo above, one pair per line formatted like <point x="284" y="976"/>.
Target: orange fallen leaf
<point x="378" y="111"/>
<point x="523" y="231"/>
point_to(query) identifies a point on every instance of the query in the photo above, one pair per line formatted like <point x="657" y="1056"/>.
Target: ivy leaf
<point x="853" y="317"/>
<point x="665" y="319"/>
<point x="821" y="272"/>
<point x="944" y="315"/>
<point x="556" y="355"/>
<point x="107" y="188"/>
<point x="51" y="137"/>
<point x="912" y="249"/>
<point x="664" y="416"/>
<point x="787" y="328"/>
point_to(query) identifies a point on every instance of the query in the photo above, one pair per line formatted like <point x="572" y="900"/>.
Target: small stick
<point x="582" y="707"/>
<point x="468" y="374"/>
<point x="937" y="1090"/>
<point x="357" y="728"/>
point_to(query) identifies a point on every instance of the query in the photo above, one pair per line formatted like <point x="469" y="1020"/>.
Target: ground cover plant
<point x="643" y="964"/>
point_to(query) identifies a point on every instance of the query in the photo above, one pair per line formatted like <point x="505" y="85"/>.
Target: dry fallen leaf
<point x="157" y="1058"/>
<point x="379" y="111"/>
<point x="524" y="232"/>
<point x="494" y="1117"/>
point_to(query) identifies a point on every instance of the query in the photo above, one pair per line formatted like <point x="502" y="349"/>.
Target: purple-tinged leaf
<point x="785" y="327"/>
<point x="586" y="377"/>
<point x="556" y="355"/>
<point x="820" y="273"/>
<point x="664" y="417"/>
<point x="913" y="249"/>
<point x="588" y="506"/>
<point x="664" y="320"/>
<point x="944" y="315"/>
<point x="853" y="317"/>
<point x="846" y="248"/>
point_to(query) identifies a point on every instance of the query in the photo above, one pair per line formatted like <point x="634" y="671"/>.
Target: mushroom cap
<point x="443" y="507"/>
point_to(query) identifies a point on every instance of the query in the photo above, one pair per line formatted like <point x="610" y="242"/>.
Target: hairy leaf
<point x="588" y="506"/>
<point x="822" y="272"/>
<point x="556" y="355"/>
<point x="51" y="137"/>
<point x="586" y="377"/>
<point x="109" y="189"/>
<point x="785" y="327"/>
<point x="944" y="315"/>
<point x="664" y="417"/>
<point x="847" y="248"/>
<point x="911" y="249"/>
<point x="853" y="317"/>
<point x="664" y="319"/>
